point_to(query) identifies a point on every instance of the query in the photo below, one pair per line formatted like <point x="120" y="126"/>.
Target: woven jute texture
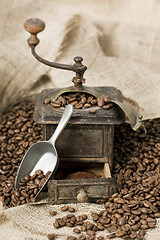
<point x="33" y="222"/>
<point x="120" y="43"/>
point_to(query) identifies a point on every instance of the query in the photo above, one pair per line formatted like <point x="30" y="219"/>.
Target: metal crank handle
<point x="34" y="26"/>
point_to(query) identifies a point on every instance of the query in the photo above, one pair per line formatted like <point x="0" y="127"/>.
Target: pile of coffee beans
<point x="29" y="187"/>
<point x="128" y="213"/>
<point x="18" y="132"/>
<point x="80" y="101"/>
<point x="135" y="208"/>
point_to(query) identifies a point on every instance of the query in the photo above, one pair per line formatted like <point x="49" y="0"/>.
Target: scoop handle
<point x="63" y="122"/>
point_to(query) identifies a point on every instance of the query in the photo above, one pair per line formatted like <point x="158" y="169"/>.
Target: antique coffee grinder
<point x="86" y="144"/>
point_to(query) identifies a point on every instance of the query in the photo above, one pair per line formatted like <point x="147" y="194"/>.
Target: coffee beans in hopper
<point x="80" y="101"/>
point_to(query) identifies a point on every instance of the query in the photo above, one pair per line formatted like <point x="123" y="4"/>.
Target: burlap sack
<point x="120" y="44"/>
<point x="34" y="222"/>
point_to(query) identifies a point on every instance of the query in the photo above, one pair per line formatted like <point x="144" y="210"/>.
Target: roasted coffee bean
<point x="33" y="177"/>
<point x="100" y="238"/>
<point x="112" y="235"/>
<point x="71" y="238"/>
<point x="78" y="105"/>
<point x="100" y="227"/>
<point x="38" y="172"/>
<point x="157" y="215"/>
<point x="70" y="209"/>
<point x="76" y="230"/>
<point x="70" y="215"/>
<point x="47" y="100"/>
<point x="56" y="224"/>
<point x="27" y="177"/>
<point x="87" y="105"/>
<point x="51" y="236"/>
<point x="92" y="111"/>
<point x="83" y="228"/>
<point x="100" y="102"/>
<point x="37" y="181"/>
<point x="40" y="176"/>
<point x="64" y="208"/>
<point x="74" y="103"/>
<point x="90" y="232"/>
<point x="72" y="99"/>
<point x="120" y="233"/>
<point x="84" y="217"/>
<point x="108" y="106"/>
<point x="83" y="100"/>
<point x="90" y="226"/>
<point x="52" y="213"/>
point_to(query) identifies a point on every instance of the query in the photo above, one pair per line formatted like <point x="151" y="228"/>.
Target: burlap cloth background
<point x="120" y="43"/>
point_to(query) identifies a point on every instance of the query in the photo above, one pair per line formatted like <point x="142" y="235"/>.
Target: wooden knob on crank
<point x="34" y="26"/>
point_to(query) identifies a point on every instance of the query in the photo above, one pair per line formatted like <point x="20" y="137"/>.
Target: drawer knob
<point x="82" y="196"/>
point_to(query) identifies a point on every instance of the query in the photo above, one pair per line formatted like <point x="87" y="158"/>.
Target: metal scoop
<point x="43" y="155"/>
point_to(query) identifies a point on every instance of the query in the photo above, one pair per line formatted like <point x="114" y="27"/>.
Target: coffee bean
<point x="70" y="209"/>
<point x="27" y="177"/>
<point x="33" y="177"/>
<point x="100" y="238"/>
<point x="119" y="233"/>
<point x="106" y="99"/>
<point x="84" y="217"/>
<point x="51" y="236"/>
<point x="157" y="215"/>
<point x="94" y="102"/>
<point x="76" y="230"/>
<point x="56" y="105"/>
<point x="100" y="101"/>
<point x="40" y="176"/>
<point x="78" y="105"/>
<point x="64" y="208"/>
<point x="92" y="111"/>
<point x="83" y="100"/>
<point x="82" y="237"/>
<point x="150" y="220"/>
<point x="100" y="227"/>
<point x="83" y="228"/>
<point x="71" y="238"/>
<point x="122" y="221"/>
<point x="144" y="226"/>
<point x="74" y="103"/>
<point x="90" y="232"/>
<point x="133" y="235"/>
<point x="135" y="227"/>
<point x="151" y="224"/>
<point x="90" y="98"/>
<point x="90" y="226"/>
<point x="87" y="105"/>
<point x="38" y="172"/>
<point x="52" y="213"/>
<point x="117" y="215"/>
<point x="72" y="99"/>
<point x="47" y="101"/>
<point x="112" y="235"/>
<point x="144" y="210"/>
<point x="108" y="106"/>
